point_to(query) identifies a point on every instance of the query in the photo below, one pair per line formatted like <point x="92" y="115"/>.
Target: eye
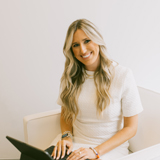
<point x="75" y="45"/>
<point x="86" y="41"/>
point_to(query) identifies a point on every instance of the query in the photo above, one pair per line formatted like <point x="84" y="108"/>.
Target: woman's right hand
<point x="62" y="146"/>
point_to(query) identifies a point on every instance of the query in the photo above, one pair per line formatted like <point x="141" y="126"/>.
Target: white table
<point x="145" y="154"/>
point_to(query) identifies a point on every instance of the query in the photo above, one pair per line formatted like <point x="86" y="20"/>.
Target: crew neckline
<point x="89" y="72"/>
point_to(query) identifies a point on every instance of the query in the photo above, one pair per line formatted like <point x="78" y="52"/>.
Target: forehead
<point x="79" y="35"/>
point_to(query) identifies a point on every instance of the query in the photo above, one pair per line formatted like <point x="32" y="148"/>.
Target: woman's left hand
<point x="82" y="154"/>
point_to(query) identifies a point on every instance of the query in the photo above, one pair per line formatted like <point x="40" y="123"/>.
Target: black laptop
<point x="29" y="152"/>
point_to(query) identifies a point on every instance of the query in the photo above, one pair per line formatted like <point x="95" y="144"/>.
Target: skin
<point x="87" y="52"/>
<point x="66" y="142"/>
<point x="83" y="46"/>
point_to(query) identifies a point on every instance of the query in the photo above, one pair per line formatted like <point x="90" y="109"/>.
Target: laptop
<point x="29" y="152"/>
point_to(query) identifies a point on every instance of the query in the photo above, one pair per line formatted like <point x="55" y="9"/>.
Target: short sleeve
<point x="131" y="103"/>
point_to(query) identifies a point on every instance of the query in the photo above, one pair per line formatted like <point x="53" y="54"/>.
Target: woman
<point x="99" y="99"/>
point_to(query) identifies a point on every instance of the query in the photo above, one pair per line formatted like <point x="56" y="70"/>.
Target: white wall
<point x="32" y="34"/>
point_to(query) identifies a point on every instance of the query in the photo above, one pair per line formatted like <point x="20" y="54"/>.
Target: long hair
<point x="73" y="75"/>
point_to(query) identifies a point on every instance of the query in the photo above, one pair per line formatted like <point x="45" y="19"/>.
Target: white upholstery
<point x="40" y="129"/>
<point x="148" y="132"/>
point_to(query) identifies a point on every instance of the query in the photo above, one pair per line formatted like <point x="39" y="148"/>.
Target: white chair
<point x="40" y="129"/>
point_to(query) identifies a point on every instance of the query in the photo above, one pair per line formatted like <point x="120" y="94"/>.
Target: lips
<point x="86" y="56"/>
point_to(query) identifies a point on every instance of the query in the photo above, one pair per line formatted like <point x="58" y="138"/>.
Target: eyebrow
<point x="82" y="40"/>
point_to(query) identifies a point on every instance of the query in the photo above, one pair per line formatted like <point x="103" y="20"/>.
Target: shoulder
<point x="122" y="80"/>
<point x="121" y="72"/>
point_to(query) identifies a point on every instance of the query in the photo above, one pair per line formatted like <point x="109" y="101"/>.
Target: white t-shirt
<point x="88" y="128"/>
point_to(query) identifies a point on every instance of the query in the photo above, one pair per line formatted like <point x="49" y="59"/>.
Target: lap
<point x="114" y="154"/>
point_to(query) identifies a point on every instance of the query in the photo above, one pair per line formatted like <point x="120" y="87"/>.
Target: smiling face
<point x="85" y="50"/>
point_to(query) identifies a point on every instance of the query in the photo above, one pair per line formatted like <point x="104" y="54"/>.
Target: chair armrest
<point x="40" y="129"/>
<point x="148" y="133"/>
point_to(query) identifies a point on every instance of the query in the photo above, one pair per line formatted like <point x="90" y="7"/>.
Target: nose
<point x="82" y="48"/>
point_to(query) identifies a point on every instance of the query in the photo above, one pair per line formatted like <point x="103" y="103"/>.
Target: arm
<point x="64" y="125"/>
<point x="65" y="143"/>
<point x="129" y="130"/>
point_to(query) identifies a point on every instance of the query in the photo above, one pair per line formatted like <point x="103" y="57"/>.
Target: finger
<point x="71" y="155"/>
<point x="76" y="155"/>
<point x="59" y="149"/>
<point x="80" y="154"/>
<point x="69" y="150"/>
<point x="54" y="152"/>
<point x="63" y="149"/>
<point x="70" y="147"/>
<point x="83" y="158"/>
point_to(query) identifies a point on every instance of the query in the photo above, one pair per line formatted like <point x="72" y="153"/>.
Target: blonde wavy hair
<point x="73" y="76"/>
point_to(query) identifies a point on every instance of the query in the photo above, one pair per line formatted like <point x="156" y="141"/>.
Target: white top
<point x="88" y="128"/>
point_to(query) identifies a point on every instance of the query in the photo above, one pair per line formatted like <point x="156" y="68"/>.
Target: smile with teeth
<point x="86" y="56"/>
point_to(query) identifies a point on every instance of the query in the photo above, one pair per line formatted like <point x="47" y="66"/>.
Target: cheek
<point x="75" y="52"/>
<point x="97" y="49"/>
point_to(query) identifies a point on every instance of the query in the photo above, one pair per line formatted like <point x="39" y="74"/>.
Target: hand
<point x="82" y="154"/>
<point x="62" y="146"/>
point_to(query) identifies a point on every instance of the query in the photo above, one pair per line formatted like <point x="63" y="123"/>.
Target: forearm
<point x="119" y="138"/>
<point x="65" y="126"/>
<point x="64" y="144"/>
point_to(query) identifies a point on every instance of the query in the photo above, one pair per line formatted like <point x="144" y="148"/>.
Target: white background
<point x="32" y="34"/>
